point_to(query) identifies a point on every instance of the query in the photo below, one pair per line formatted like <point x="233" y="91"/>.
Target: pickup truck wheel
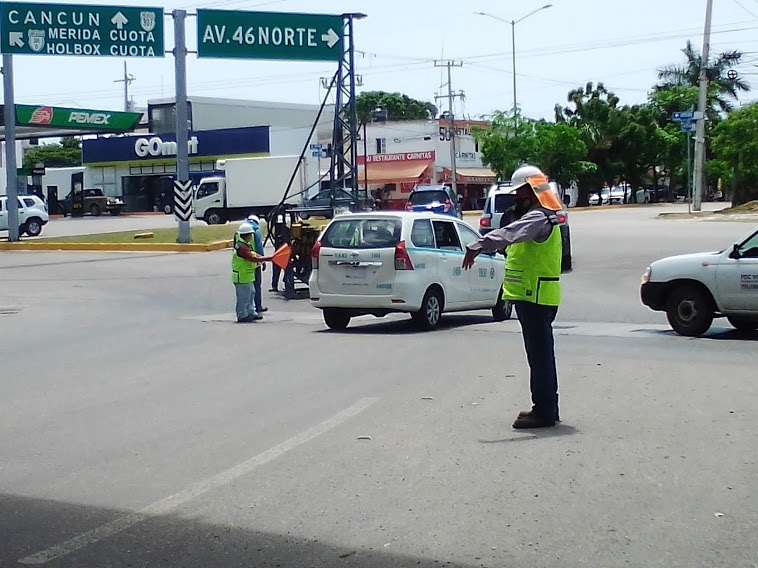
<point x="503" y="310"/>
<point x="33" y="227"/>
<point x="214" y="218"/>
<point x="336" y="318"/>
<point x="428" y="317"/>
<point x="95" y="210"/>
<point x="689" y="311"/>
<point x="115" y="212"/>
<point x="167" y="209"/>
<point x="743" y="323"/>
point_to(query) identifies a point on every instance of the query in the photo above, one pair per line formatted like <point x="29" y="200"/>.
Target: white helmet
<point x="521" y="174"/>
<point x="534" y="178"/>
<point x="254" y="219"/>
<point x="246" y="229"/>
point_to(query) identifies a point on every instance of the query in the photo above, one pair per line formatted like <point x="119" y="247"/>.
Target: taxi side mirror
<point x="735" y="254"/>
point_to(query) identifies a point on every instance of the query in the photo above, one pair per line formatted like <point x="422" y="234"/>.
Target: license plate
<point x="341" y="210"/>
<point x="355" y="273"/>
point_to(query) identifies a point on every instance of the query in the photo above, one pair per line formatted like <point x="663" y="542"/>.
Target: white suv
<point x="32" y="214"/>
<point x="384" y="262"/>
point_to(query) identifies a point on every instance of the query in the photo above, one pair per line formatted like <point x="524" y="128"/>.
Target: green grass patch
<point x="200" y="235"/>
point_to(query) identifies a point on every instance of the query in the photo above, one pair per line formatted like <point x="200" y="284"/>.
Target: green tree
<point x="725" y="90"/>
<point x="68" y="152"/>
<point x="593" y="111"/>
<point x="513" y="140"/>
<point x="397" y="105"/>
<point x="736" y="143"/>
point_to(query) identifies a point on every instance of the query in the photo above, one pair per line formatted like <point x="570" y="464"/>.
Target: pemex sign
<point x="76" y="118"/>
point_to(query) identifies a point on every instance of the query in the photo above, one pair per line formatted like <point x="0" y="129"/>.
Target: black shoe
<point x="262" y="310"/>
<point x="532" y="420"/>
<point x="247" y="319"/>
<point x="256" y="317"/>
<point x="273" y="289"/>
<point x="528" y="412"/>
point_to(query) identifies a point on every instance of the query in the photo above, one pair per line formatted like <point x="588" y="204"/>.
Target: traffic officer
<point x="258" y="242"/>
<point x="532" y="283"/>
<point x="244" y="260"/>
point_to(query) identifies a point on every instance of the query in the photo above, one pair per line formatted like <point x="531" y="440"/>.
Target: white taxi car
<point x="384" y="262"/>
<point x="693" y="288"/>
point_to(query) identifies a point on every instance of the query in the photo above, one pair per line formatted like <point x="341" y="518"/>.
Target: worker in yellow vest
<point x="532" y="283"/>
<point x="244" y="262"/>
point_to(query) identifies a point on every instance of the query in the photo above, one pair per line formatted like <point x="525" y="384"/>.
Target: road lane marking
<point x="171" y="502"/>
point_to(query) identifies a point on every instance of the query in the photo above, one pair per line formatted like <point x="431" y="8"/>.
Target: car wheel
<point x="336" y="318"/>
<point x="115" y="212"/>
<point x="503" y="310"/>
<point x="743" y="323"/>
<point x="689" y="310"/>
<point x="95" y="210"/>
<point x="33" y="227"/>
<point x="214" y="218"/>
<point x="167" y="209"/>
<point x="428" y="317"/>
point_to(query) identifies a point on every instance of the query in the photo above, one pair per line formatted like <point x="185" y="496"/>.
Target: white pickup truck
<point x="694" y="288"/>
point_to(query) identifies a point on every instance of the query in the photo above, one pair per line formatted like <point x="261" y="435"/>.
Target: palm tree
<point x="724" y="91"/>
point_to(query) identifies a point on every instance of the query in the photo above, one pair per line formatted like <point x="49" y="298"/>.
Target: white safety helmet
<point x="246" y="229"/>
<point x="254" y="219"/>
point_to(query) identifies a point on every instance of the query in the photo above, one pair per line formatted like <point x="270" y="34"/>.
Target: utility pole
<point x="451" y="96"/>
<point x="701" y="106"/>
<point x="127" y="80"/>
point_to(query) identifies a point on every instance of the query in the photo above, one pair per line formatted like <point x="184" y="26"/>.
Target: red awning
<point x="482" y="176"/>
<point x="393" y="172"/>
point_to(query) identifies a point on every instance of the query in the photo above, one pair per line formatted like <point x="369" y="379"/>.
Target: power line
<point x="743" y="7"/>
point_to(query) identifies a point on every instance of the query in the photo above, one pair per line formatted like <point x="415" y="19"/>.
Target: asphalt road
<point x="140" y="427"/>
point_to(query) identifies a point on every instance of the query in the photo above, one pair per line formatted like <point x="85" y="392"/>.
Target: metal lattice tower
<point x="344" y="155"/>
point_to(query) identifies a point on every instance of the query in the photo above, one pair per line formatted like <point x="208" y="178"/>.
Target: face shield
<point x="541" y="187"/>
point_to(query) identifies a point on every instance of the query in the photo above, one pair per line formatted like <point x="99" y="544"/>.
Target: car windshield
<point x="426" y="197"/>
<point x="363" y="233"/>
<point x="503" y="202"/>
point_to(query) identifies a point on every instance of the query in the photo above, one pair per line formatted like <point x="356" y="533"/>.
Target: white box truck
<point x="250" y="186"/>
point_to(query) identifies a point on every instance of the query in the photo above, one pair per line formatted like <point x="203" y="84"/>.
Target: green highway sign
<point x="76" y="118"/>
<point x="79" y="29"/>
<point x="269" y="35"/>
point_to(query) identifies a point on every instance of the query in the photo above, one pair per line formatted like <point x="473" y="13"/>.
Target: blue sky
<point x="619" y="42"/>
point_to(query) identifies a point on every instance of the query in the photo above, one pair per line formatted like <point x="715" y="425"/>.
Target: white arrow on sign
<point x="331" y="38"/>
<point x="119" y="20"/>
<point x="14" y="38"/>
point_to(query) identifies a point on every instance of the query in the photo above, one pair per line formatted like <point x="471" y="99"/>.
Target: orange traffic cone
<point x="281" y="256"/>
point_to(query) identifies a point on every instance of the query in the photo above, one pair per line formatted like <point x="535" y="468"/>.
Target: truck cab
<point x="210" y="200"/>
<point x="694" y="288"/>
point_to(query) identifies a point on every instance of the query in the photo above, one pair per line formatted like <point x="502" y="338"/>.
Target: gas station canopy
<point x="34" y="121"/>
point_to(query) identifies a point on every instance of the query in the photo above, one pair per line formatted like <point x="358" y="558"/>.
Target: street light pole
<point x="513" y="44"/>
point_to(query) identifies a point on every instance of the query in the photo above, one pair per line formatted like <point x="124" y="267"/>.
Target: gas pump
<point x="77" y="194"/>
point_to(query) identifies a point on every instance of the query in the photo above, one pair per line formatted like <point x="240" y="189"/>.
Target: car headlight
<point x="648" y="274"/>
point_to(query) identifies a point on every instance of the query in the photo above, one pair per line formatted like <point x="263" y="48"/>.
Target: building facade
<point x="396" y="151"/>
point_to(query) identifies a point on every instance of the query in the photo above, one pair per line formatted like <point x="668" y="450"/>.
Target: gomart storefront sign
<point x="209" y="144"/>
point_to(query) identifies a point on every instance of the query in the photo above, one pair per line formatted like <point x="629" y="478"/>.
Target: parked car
<point x="384" y="262"/>
<point x="95" y="203"/>
<point x="501" y="197"/>
<point x="342" y="200"/>
<point x="434" y="199"/>
<point x="32" y="214"/>
<point x="694" y="288"/>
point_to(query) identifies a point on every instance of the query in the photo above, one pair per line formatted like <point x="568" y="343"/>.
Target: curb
<point x="115" y="247"/>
